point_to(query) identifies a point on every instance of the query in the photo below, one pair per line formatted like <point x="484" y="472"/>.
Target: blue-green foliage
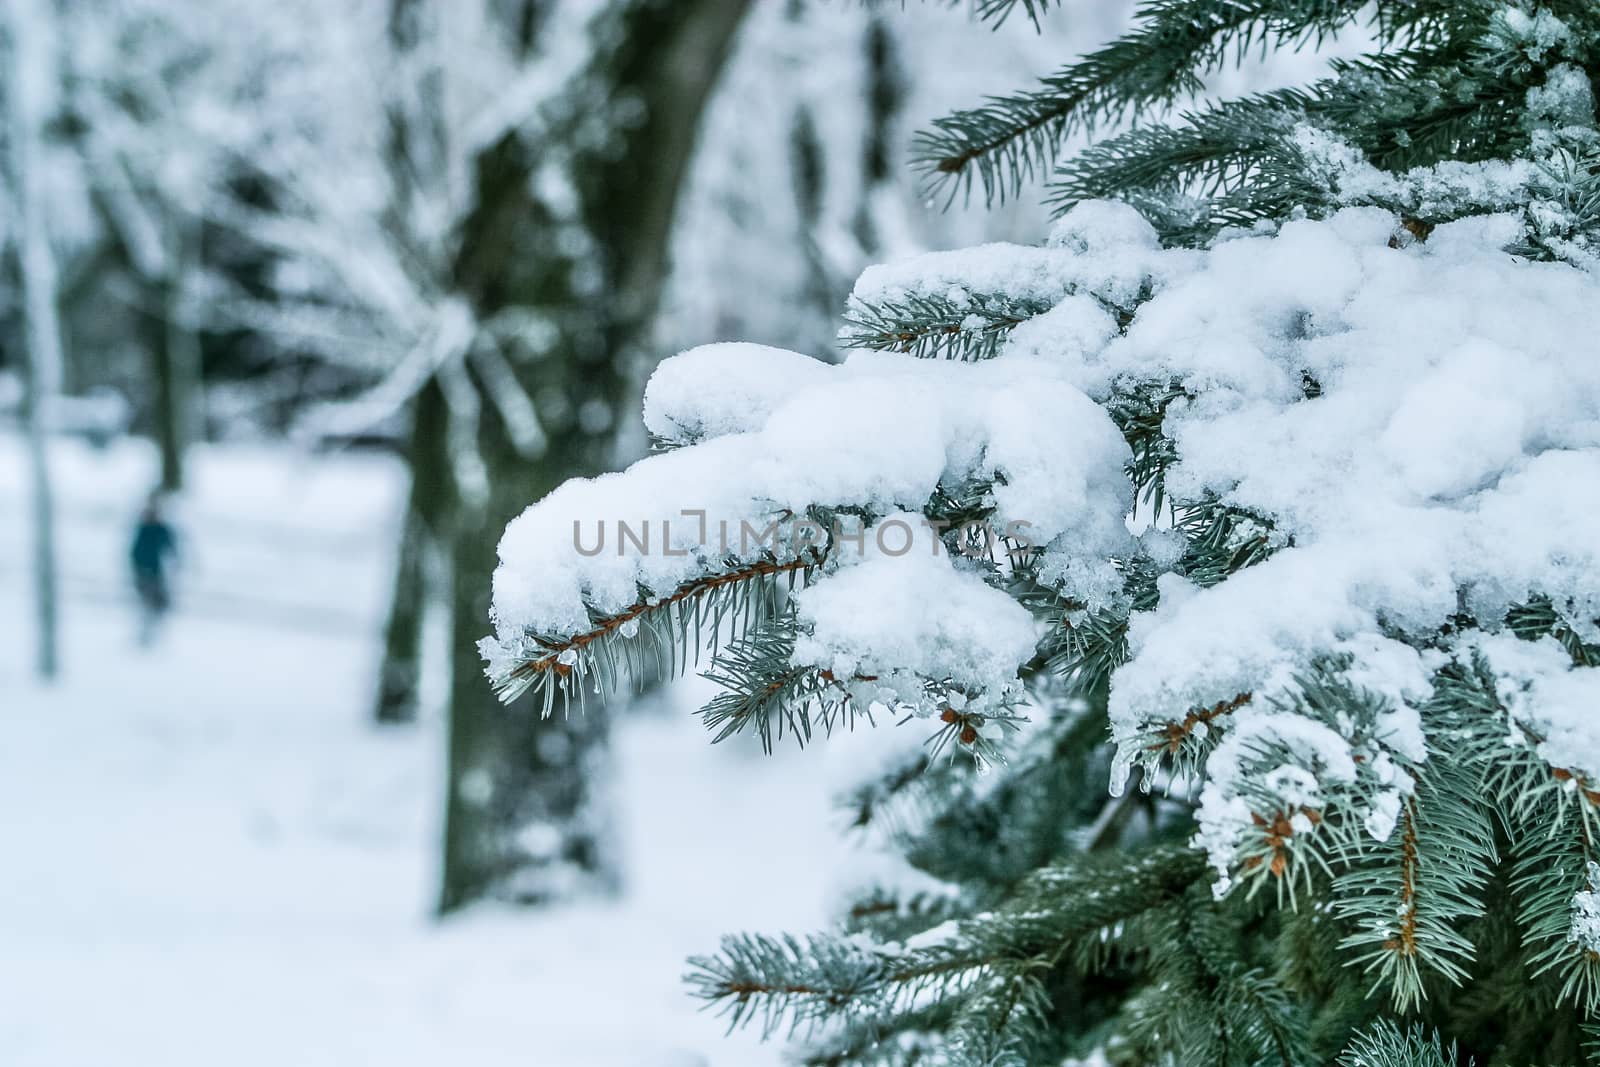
<point x="1078" y="924"/>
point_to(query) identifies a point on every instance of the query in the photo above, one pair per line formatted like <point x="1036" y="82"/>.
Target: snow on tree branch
<point x="1409" y="422"/>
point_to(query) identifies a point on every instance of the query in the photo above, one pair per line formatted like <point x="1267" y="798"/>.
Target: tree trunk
<point x="524" y="819"/>
<point x="402" y="634"/>
<point x="42" y="378"/>
<point x="32" y="61"/>
<point x="886" y="92"/>
<point x="416" y="159"/>
<point x="809" y="166"/>
<point x="426" y="506"/>
<point x="175" y="365"/>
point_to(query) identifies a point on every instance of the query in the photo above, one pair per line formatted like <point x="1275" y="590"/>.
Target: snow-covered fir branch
<point x="1276" y="464"/>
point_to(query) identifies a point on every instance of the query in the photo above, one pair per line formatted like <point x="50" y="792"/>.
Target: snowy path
<point x="207" y="856"/>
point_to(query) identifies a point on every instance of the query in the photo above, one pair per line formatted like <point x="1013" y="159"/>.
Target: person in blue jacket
<point x="155" y="545"/>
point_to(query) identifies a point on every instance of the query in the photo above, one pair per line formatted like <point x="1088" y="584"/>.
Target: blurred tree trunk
<point x="420" y="534"/>
<point x="808" y="164"/>
<point x="175" y="361"/>
<point x="886" y="93"/>
<point x="158" y="247"/>
<point x="401" y="669"/>
<point x="32" y="77"/>
<point x="416" y="151"/>
<point x="828" y="276"/>
<point x="572" y="229"/>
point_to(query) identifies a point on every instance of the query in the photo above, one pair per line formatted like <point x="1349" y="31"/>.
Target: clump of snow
<point x="1076" y="328"/>
<point x="943" y="934"/>
<point x="1542" y="690"/>
<point x="1099" y="248"/>
<point x="1562" y="106"/>
<point x="1318" y="756"/>
<point x="1536" y="34"/>
<point x="1100" y="227"/>
<point x="1097" y="1058"/>
<point x="1052" y="459"/>
<point x="1020" y="272"/>
<point x="1447" y="187"/>
<point x="1543" y="536"/>
<point x="877" y="618"/>
<point x="1380" y="821"/>
<point x="1586" y="913"/>
<point x="548" y="581"/>
<point x="1275" y="761"/>
<point x="723" y="388"/>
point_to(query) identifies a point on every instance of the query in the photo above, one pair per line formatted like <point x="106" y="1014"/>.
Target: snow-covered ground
<point x="208" y="856"/>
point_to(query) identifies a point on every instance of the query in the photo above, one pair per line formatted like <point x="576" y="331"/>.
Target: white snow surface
<point x="212" y="857"/>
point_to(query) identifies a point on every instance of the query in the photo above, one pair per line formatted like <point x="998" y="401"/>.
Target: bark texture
<point x="524" y="817"/>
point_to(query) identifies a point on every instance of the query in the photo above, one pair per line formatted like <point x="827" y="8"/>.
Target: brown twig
<point x="1174" y="733"/>
<point x="1405" y="943"/>
<point x="698" y="587"/>
<point x="1277" y="831"/>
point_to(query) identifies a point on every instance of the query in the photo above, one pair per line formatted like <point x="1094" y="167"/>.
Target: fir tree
<point x="1278" y="467"/>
